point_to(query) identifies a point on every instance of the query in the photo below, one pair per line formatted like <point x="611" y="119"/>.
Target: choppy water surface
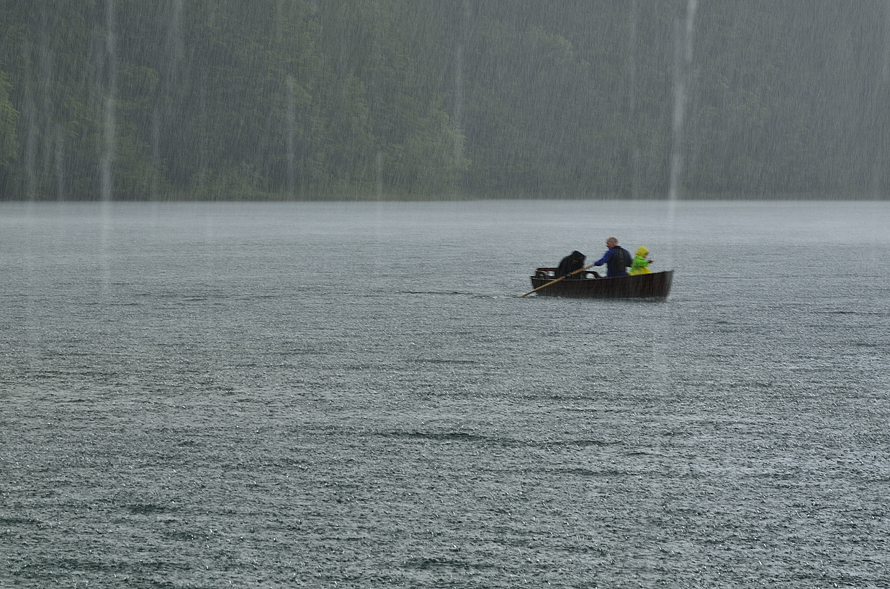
<point x="204" y="395"/>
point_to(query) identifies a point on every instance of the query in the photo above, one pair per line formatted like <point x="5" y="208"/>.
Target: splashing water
<point x="682" y="72"/>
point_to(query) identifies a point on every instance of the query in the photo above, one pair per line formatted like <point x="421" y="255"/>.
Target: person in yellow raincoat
<point x="640" y="264"/>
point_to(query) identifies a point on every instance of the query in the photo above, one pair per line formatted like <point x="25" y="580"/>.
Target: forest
<point x="432" y="99"/>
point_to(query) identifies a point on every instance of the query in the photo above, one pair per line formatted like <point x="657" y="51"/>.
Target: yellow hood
<point x="641" y="251"/>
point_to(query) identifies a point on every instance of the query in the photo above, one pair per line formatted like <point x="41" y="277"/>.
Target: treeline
<point x="232" y="99"/>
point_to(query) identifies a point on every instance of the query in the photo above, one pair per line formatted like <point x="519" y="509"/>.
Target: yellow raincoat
<point x="640" y="264"/>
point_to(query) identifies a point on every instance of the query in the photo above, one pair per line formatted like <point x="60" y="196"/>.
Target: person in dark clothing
<point x="570" y="263"/>
<point x="616" y="259"/>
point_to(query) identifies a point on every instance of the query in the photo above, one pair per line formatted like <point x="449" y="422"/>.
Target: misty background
<point x="309" y="99"/>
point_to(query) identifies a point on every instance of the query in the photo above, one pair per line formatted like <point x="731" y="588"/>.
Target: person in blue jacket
<point x="616" y="259"/>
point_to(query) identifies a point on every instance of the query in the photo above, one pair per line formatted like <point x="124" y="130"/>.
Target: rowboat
<point x="588" y="285"/>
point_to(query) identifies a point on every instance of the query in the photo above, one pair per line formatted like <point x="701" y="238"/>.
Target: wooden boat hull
<point x="642" y="286"/>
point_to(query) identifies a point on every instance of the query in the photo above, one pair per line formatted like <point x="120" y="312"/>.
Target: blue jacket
<point x="616" y="265"/>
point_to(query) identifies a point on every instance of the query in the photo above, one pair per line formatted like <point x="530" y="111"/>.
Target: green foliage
<point x="431" y="159"/>
<point x="128" y="99"/>
<point x="8" y="118"/>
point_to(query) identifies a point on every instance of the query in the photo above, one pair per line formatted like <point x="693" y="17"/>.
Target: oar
<point x="557" y="280"/>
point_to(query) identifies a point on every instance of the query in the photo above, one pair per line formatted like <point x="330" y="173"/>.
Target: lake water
<point x="352" y="395"/>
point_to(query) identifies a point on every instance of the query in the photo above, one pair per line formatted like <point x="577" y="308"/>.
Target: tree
<point x="8" y="118"/>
